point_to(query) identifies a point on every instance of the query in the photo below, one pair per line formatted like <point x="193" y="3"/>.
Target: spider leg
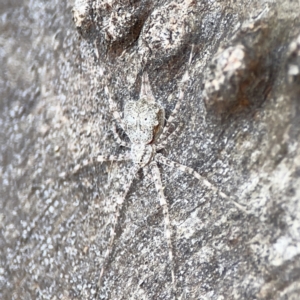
<point x="174" y="112"/>
<point x="171" y="118"/>
<point x="117" y="137"/>
<point x="147" y="175"/>
<point x="103" y="158"/>
<point x="114" y="109"/>
<point x="163" y="202"/>
<point x="163" y="160"/>
<point x="119" y="200"/>
<point x="170" y="138"/>
<point x="98" y="158"/>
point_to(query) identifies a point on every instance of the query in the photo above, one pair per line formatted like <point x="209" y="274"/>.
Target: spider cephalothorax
<point x="144" y="120"/>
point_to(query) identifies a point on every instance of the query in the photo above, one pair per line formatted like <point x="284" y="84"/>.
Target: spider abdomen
<point x="142" y="154"/>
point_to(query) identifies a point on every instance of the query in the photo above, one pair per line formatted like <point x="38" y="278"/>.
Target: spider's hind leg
<point x="163" y="160"/>
<point x="168" y="230"/>
<point x="119" y="200"/>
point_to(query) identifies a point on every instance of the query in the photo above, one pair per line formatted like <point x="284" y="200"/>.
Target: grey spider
<point x="144" y="124"/>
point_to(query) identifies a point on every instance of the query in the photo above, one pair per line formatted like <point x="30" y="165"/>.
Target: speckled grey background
<point x="241" y="117"/>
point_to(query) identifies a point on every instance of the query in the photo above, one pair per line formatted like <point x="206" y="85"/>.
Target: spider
<point x="144" y="123"/>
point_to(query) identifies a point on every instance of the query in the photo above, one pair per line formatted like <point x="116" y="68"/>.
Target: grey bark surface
<point x="241" y="130"/>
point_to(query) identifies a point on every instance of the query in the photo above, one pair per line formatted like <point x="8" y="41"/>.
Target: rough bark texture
<point x="241" y="116"/>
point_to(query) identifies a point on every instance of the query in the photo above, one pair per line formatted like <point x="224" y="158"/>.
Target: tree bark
<point x="60" y="61"/>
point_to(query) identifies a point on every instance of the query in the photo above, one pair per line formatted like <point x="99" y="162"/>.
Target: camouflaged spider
<point x="144" y="124"/>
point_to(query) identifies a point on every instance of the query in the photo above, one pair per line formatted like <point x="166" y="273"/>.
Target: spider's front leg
<point x="114" y="109"/>
<point x="117" y="137"/>
<point x="171" y="137"/>
<point x="174" y="113"/>
<point x="117" y="117"/>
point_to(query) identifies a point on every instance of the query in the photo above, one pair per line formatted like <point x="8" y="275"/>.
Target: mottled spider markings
<point x="143" y="122"/>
